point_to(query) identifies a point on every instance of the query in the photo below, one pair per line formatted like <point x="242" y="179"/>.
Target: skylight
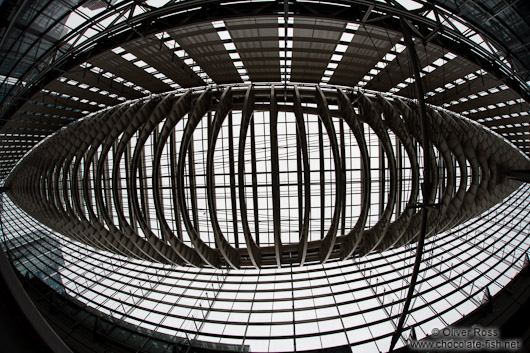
<point x="230" y="47"/>
<point x="146" y="67"/>
<point x="387" y="59"/>
<point x="286" y="46"/>
<point x="175" y="47"/>
<point x="427" y="69"/>
<point x="340" y="49"/>
<point x="109" y="75"/>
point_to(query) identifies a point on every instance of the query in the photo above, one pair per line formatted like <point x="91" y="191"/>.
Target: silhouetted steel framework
<point x="231" y="138"/>
<point x="93" y="180"/>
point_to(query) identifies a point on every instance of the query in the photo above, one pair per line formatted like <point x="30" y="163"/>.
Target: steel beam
<point x="426" y="179"/>
<point x="248" y="111"/>
<point x="200" y="108"/>
<point x="275" y="170"/>
<point x="302" y="142"/>
<point x="331" y="236"/>
<point x="229" y="253"/>
<point x="351" y="240"/>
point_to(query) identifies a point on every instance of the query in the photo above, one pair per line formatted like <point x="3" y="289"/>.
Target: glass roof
<point x="361" y="53"/>
<point x="356" y="302"/>
<point x="63" y="60"/>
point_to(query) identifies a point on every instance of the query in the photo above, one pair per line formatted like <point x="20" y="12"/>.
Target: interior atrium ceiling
<point x="507" y="22"/>
<point x="251" y="175"/>
<point x="314" y="184"/>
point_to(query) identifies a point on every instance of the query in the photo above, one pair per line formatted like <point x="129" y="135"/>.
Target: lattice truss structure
<point x="355" y="302"/>
<point x="173" y="179"/>
<point x="180" y="45"/>
<point x="248" y="175"/>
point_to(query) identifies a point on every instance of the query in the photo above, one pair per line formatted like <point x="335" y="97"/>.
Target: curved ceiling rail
<point x="74" y="182"/>
<point x="134" y="20"/>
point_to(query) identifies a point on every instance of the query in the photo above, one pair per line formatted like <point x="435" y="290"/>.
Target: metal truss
<point x="99" y="180"/>
<point x="153" y="20"/>
<point x="352" y="303"/>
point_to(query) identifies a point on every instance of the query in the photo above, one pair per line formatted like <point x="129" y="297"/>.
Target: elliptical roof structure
<point x="235" y="141"/>
<point x="50" y="186"/>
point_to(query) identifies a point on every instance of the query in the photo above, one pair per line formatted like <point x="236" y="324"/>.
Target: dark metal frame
<point x="175" y="14"/>
<point x="399" y="259"/>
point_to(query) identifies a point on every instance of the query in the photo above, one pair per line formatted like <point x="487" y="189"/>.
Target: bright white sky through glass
<point x="351" y="297"/>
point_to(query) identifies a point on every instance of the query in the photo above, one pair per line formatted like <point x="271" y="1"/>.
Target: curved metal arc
<point x="86" y="177"/>
<point x="46" y="167"/>
<point x="37" y="179"/>
<point x="42" y="182"/>
<point x="97" y="136"/>
<point x="275" y="170"/>
<point x="471" y="155"/>
<point x="75" y="172"/>
<point x="426" y="179"/>
<point x="202" y="105"/>
<point x="67" y="179"/>
<point x="248" y="111"/>
<point x="119" y="126"/>
<point x="59" y="167"/>
<point x="148" y="120"/>
<point x="325" y="115"/>
<point x="54" y="168"/>
<point x="302" y="136"/>
<point x="138" y="120"/>
<point x="176" y="112"/>
<point x="106" y="146"/>
<point x="95" y="233"/>
<point x="373" y="119"/>
<point x="393" y="121"/>
<point x="138" y="123"/>
<point x="351" y="240"/>
<point x="91" y="144"/>
<point x="227" y="250"/>
<point x="154" y="246"/>
<point x="439" y="141"/>
<point x="157" y="115"/>
<point x="455" y="144"/>
<point x="453" y="139"/>
<point x="73" y="218"/>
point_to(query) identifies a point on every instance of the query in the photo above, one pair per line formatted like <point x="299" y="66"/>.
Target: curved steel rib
<point x="60" y="183"/>
<point x="351" y="240"/>
<point x="202" y="105"/>
<point x="229" y="253"/>
<point x="248" y="112"/>
<point x="302" y="136"/>
<point x="331" y="236"/>
<point x="373" y="236"/>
